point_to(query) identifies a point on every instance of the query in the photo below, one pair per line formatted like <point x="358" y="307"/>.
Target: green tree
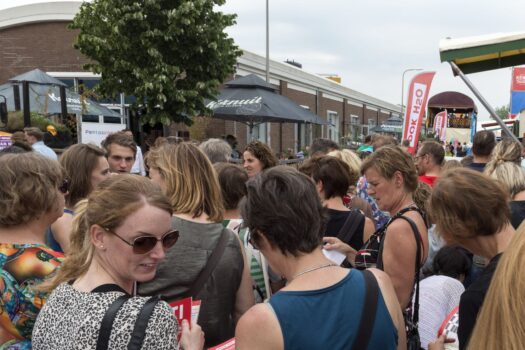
<point x="169" y="54"/>
<point x="503" y="112"/>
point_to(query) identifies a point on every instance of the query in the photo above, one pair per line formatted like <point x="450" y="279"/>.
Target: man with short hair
<point x="429" y="159"/>
<point x="138" y="166"/>
<point x="482" y="146"/>
<point x="35" y="137"/>
<point x="217" y="150"/>
<point x="121" y="151"/>
<point x="321" y="147"/>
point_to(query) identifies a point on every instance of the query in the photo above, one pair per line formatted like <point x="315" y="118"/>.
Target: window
<point x="258" y="133"/>
<point x="333" y="126"/>
<point x="372" y="123"/>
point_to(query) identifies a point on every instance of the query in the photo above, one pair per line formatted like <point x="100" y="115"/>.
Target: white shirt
<point x="438" y="296"/>
<point x="41" y="148"/>
<point x="138" y="166"/>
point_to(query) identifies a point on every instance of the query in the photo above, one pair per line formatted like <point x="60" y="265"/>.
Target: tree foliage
<point x="502" y="112"/>
<point x="169" y="54"/>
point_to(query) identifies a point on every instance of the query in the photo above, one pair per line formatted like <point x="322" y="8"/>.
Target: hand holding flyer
<point x="185" y="309"/>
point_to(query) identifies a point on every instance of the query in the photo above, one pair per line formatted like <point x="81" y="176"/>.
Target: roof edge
<point x="52" y="11"/>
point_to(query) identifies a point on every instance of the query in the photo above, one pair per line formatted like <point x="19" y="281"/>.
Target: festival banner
<point x="517" y="93"/>
<point x="440" y="124"/>
<point x="416" y="106"/>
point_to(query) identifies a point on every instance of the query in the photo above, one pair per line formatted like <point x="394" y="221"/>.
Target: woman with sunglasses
<point x="85" y="166"/>
<point x="30" y="200"/>
<point x="120" y="234"/>
<point x="188" y="179"/>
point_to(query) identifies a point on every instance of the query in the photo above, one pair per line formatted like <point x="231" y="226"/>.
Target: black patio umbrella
<point x="36" y="76"/>
<point x="252" y="101"/>
<point x="46" y="100"/>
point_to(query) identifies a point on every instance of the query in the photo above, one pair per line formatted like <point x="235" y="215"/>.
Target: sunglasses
<point x="64" y="188"/>
<point x="252" y="241"/>
<point x="144" y="244"/>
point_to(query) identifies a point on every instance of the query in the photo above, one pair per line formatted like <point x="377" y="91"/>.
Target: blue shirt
<point x="329" y="318"/>
<point x="41" y="148"/>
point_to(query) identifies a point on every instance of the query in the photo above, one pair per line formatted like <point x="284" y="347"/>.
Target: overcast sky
<point x="370" y="43"/>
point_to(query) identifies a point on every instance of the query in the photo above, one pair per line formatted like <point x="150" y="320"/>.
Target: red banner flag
<point x="440" y="124"/>
<point x="416" y="105"/>
<point x="517" y="93"/>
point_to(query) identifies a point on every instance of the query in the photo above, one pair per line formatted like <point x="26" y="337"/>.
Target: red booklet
<point x="185" y="309"/>
<point x="227" y="345"/>
<point x="182" y="311"/>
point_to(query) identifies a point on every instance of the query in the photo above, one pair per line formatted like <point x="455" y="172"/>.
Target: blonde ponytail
<point x="80" y="255"/>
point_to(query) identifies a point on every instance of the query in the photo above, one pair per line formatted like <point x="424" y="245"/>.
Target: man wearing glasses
<point x="429" y="159"/>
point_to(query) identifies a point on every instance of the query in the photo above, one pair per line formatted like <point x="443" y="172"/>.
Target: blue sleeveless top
<point x="329" y="318"/>
<point x="51" y="242"/>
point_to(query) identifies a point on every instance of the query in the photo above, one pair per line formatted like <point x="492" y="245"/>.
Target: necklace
<point x="312" y="269"/>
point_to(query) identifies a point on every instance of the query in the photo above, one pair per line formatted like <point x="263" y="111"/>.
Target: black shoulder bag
<point x="412" y="318"/>
<point x="139" y="330"/>
<point x="368" y="315"/>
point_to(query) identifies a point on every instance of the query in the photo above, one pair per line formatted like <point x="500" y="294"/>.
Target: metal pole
<point x="25" y="95"/>
<point x="484" y="102"/>
<point x="267" y="41"/>
<point x="403" y="88"/>
<point x="268" y="126"/>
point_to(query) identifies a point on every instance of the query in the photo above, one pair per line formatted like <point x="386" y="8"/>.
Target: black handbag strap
<point x="419" y="244"/>
<point x="212" y="262"/>
<point x="368" y="315"/>
<point x="139" y="330"/>
<point x="107" y="322"/>
<point x="349" y="229"/>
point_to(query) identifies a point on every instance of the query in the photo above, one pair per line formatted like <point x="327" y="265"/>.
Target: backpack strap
<point x="107" y="322"/>
<point x="419" y="245"/>
<point x="368" y="313"/>
<point x="383" y="229"/>
<point x="139" y="330"/>
<point x="349" y="229"/>
<point x="212" y="262"/>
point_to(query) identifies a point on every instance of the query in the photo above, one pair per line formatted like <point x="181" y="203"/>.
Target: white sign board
<point x="97" y="132"/>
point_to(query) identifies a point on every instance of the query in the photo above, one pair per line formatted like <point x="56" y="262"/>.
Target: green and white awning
<point x="482" y="53"/>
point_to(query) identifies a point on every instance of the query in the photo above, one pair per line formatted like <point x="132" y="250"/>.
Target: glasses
<point x="144" y="244"/>
<point x="421" y="156"/>
<point x="64" y="188"/>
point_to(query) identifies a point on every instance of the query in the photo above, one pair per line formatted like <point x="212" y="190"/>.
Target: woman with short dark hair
<point x="322" y="305"/>
<point x="346" y="229"/>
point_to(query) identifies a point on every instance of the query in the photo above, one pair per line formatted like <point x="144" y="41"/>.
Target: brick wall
<point x="48" y="46"/>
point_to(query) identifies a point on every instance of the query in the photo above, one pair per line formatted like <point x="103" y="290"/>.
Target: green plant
<point x="16" y="122"/>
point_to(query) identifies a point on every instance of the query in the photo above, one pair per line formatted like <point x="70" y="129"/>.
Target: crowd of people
<point x="369" y="249"/>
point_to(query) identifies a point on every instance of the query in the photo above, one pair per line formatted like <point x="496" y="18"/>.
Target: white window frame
<point x="333" y="128"/>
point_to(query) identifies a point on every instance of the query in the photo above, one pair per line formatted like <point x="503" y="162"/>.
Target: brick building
<point x="36" y="36"/>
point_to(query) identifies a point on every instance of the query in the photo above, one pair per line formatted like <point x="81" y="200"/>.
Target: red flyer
<point x="227" y="345"/>
<point x="182" y="311"/>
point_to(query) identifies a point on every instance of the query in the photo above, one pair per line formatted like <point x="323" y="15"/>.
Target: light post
<point x="403" y="87"/>
<point x="268" y="130"/>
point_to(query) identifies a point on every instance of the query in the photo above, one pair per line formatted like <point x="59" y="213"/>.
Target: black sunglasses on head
<point x="144" y="244"/>
<point x="64" y="188"/>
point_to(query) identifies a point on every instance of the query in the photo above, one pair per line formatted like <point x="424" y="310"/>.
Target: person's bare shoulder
<point x="258" y="328"/>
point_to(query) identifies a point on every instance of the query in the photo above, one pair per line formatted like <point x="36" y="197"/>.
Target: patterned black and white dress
<point x="70" y="320"/>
